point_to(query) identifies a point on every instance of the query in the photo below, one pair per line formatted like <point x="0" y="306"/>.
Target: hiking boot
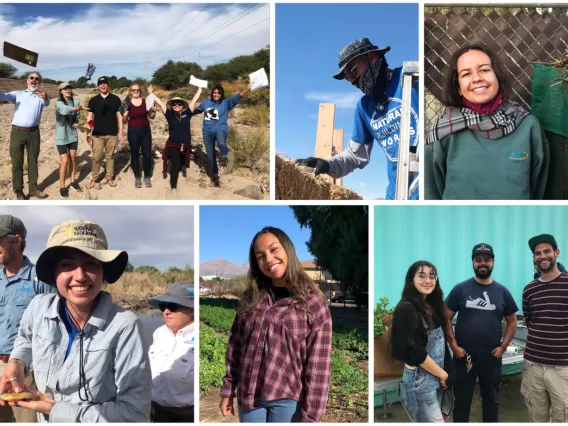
<point x="138" y="183"/>
<point x="64" y="193"/>
<point x="174" y="192"/>
<point x="147" y="182"/>
<point x="20" y="195"/>
<point x="184" y="171"/>
<point x="38" y="194"/>
<point x="75" y="186"/>
<point x="215" y="182"/>
<point x="228" y="161"/>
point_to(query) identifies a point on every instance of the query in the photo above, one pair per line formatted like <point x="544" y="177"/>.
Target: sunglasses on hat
<point x="172" y="307"/>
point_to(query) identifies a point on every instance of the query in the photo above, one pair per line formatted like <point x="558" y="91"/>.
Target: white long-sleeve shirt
<point x="171" y="360"/>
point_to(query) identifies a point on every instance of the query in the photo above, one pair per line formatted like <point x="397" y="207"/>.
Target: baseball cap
<point x="180" y="293"/>
<point x="87" y="237"/>
<point x="11" y="225"/>
<point x="64" y="85"/>
<point x="482" y="248"/>
<point x="102" y="79"/>
<point x="542" y="238"/>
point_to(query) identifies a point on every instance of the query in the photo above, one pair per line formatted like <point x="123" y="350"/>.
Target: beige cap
<point x="64" y="85"/>
<point x="84" y="236"/>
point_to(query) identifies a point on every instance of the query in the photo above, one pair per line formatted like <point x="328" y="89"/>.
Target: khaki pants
<point x="103" y="145"/>
<point x="21" y="140"/>
<point x="546" y="392"/>
<point x="22" y="415"/>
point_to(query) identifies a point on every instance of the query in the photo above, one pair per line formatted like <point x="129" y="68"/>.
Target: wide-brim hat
<point x="177" y="98"/>
<point x="358" y="47"/>
<point x="180" y="293"/>
<point x="87" y="237"/>
<point x="542" y="239"/>
<point x="64" y="85"/>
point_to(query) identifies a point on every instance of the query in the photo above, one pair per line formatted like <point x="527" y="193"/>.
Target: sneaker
<point x="215" y="182"/>
<point x="138" y="183"/>
<point x="64" y="193"/>
<point x="75" y="186"/>
<point x="147" y="182"/>
<point x="20" y="195"/>
<point x="38" y="194"/>
<point x="174" y="193"/>
<point x="184" y="171"/>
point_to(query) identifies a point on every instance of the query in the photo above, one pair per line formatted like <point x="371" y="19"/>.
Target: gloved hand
<point x="318" y="164"/>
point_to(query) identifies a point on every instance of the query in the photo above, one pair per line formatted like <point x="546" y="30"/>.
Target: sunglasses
<point x="34" y="78"/>
<point x="172" y="307"/>
<point x="135" y="90"/>
<point x="177" y="103"/>
<point x="68" y="88"/>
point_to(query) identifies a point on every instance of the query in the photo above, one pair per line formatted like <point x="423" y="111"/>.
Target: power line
<point x="238" y="32"/>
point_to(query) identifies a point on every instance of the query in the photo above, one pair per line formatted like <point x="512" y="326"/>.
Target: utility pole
<point x="146" y="66"/>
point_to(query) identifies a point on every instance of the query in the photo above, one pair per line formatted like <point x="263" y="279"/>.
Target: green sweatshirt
<point x="467" y="166"/>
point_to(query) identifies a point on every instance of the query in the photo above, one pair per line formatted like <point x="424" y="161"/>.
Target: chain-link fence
<point x="518" y="35"/>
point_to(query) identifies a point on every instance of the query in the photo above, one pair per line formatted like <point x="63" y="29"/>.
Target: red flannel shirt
<point x="283" y="351"/>
<point x="185" y="148"/>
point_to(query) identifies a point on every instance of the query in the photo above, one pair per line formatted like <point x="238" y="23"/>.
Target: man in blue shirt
<point x="18" y="286"/>
<point x="29" y="105"/>
<point x="377" y="115"/>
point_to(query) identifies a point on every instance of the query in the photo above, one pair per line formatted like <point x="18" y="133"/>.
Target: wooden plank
<point x="337" y="148"/>
<point x="324" y="135"/>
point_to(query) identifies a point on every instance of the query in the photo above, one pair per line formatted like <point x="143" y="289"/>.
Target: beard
<point x="373" y="81"/>
<point x="32" y="89"/>
<point x="551" y="265"/>
<point x="483" y="274"/>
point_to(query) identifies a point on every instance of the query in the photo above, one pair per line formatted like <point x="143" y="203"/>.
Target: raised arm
<point x="195" y="99"/>
<point x="157" y="100"/>
<point x="245" y="91"/>
<point x="8" y="97"/>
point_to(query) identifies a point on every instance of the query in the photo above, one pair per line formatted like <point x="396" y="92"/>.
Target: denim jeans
<point x="140" y="138"/>
<point x="279" y="411"/>
<point x="209" y="141"/>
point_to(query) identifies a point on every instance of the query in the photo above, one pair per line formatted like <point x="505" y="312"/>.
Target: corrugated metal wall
<point x="445" y="235"/>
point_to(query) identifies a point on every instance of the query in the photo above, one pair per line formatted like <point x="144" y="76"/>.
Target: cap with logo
<point x="11" y="225"/>
<point x="542" y="239"/>
<point x="87" y="237"/>
<point x="102" y="79"/>
<point x="482" y="248"/>
<point x="180" y="293"/>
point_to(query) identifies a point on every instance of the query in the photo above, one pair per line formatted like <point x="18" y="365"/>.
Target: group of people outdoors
<point x="438" y="359"/>
<point x="78" y="356"/>
<point x="107" y="115"/>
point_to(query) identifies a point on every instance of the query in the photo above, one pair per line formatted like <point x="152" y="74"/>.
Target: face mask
<point x="373" y="81"/>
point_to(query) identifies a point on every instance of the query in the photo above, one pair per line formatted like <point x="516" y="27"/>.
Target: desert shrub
<point x="258" y="97"/>
<point x="7" y="70"/>
<point x="250" y="149"/>
<point x="256" y="116"/>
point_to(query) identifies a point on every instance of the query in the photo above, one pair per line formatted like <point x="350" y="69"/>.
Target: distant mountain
<point x="222" y="268"/>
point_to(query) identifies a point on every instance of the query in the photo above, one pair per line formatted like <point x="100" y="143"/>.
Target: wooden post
<point x="324" y="135"/>
<point x="337" y="148"/>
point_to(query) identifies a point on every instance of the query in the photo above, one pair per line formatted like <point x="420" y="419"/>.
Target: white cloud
<point x="313" y="116"/>
<point x="117" y="38"/>
<point x="340" y="99"/>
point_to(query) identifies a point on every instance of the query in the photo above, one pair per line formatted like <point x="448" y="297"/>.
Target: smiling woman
<point x="483" y="146"/>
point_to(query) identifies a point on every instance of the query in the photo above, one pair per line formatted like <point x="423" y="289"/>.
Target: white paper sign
<point x="259" y="79"/>
<point x="149" y="102"/>
<point x="197" y="82"/>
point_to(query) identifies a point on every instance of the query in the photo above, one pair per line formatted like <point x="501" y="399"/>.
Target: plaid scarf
<point x="501" y="123"/>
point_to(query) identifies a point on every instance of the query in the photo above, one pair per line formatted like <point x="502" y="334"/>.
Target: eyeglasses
<point x="172" y="307"/>
<point x="423" y="276"/>
<point x="31" y="78"/>
<point x="177" y="103"/>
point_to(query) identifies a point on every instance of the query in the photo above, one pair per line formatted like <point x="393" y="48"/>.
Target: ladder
<point x="407" y="155"/>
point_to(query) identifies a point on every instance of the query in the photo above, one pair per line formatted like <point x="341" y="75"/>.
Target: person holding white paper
<point x="139" y="134"/>
<point x="215" y="128"/>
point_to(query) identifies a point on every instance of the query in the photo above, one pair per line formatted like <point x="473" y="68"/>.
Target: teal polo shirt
<point x="16" y="293"/>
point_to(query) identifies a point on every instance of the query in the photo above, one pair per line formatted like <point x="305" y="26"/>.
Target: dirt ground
<point x="335" y="413"/>
<point x="194" y="187"/>
<point x="511" y="405"/>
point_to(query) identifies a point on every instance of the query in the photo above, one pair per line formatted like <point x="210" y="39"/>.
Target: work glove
<point x="318" y="164"/>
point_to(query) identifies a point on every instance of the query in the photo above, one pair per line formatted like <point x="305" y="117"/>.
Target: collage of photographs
<point x="194" y="229"/>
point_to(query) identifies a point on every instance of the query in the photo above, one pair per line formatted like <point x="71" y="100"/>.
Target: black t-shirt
<point x="480" y="309"/>
<point x="409" y="343"/>
<point x="104" y="110"/>
<point x="179" y="126"/>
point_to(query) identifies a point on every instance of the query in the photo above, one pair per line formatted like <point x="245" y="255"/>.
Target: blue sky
<point x="308" y="40"/>
<point x="131" y="39"/>
<point x="225" y="232"/>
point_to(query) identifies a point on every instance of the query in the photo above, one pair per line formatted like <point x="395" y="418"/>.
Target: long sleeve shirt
<point x="28" y="107"/>
<point x="282" y="351"/>
<point x="172" y="362"/>
<point x="65" y="118"/>
<point x="115" y="359"/>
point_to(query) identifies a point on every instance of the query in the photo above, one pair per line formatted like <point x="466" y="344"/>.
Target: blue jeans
<point x="140" y="138"/>
<point x="279" y="411"/>
<point x="422" y="396"/>
<point x="209" y="141"/>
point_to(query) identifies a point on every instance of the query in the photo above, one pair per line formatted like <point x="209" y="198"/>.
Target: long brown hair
<point x="295" y="278"/>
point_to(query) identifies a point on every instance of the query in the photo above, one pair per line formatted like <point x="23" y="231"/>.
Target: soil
<point x="511" y="405"/>
<point x="194" y="187"/>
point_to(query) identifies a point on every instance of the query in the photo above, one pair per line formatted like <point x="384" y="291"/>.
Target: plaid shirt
<point x="170" y="144"/>
<point x="283" y="351"/>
